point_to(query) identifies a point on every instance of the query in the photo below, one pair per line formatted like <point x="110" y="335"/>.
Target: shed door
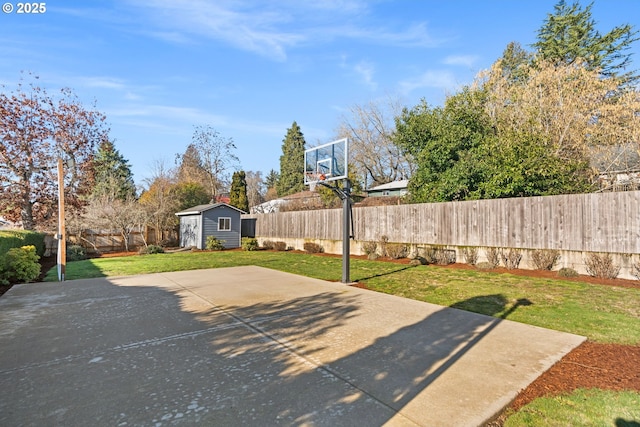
<point x="189" y="231"/>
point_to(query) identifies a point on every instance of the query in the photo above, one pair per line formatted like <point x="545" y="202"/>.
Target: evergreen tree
<point x="569" y="35"/>
<point x="272" y="179"/>
<point x="238" y="194"/>
<point x="292" y="162"/>
<point x="113" y="177"/>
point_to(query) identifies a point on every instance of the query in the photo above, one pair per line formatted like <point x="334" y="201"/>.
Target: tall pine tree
<point x="291" y="178"/>
<point x="238" y="194"/>
<point x="113" y="176"/>
<point x="569" y="35"/>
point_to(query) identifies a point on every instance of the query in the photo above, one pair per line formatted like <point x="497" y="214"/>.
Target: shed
<point x="218" y="219"/>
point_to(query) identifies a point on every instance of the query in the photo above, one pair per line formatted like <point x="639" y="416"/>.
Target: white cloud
<point x="464" y="60"/>
<point x="430" y="79"/>
<point x="366" y="71"/>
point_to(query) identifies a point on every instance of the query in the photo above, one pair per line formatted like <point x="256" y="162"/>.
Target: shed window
<point x="224" y="224"/>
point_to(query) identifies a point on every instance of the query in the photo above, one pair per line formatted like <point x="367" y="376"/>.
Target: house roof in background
<point x="196" y="210"/>
<point x="395" y="185"/>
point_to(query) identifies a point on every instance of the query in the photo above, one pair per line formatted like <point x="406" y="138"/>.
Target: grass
<point x="603" y="314"/>
<point x="581" y="408"/>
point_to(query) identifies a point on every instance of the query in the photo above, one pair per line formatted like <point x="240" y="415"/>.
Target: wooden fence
<point x="573" y="224"/>
<point x="597" y="222"/>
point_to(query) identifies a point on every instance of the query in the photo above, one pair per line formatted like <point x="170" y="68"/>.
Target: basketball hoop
<point x="315" y="179"/>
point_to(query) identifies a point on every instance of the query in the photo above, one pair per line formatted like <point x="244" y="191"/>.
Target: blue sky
<point x="158" y="68"/>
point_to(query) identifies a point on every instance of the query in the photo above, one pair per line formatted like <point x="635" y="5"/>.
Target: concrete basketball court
<point x="249" y="346"/>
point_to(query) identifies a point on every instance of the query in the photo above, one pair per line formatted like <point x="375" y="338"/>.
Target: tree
<point x="570" y="109"/>
<point x="212" y="155"/>
<point x="255" y="188"/>
<point x="112" y="172"/>
<point x="190" y="168"/>
<point x="37" y="129"/>
<point x="291" y="178"/>
<point x="515" y="63"/>
<point x="238" y="193"/>
<point x="442" y="140"/>
<point x="569" y="35"/>
<point x="374" y="156"/>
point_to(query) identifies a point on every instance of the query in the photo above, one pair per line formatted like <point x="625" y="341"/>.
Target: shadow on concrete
<point x="90" y="352"/>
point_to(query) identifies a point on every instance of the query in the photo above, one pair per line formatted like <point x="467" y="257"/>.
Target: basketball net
<point x="318" y="177"/>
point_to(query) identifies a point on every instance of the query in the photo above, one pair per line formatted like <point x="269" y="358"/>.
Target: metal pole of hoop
<point x="346" y="230"/>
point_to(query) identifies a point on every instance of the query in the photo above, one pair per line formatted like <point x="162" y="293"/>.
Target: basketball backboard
<point x="326" y="162"/>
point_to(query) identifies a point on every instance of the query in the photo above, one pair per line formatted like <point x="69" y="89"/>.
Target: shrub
<point x="384" y="241"/>
<point x="214" y="244"/>
<point x="268" y="244"/>
<point x="396" y="250"/>
<point x="21" y="264"/>
<point x="280" y="246"/>
<point x="250" y="244"/>
<point x="635" y="269"/>
<point x="470" y="254"/>
<point x="485" y="265"/>
<point x="601" y="266"/>
<point x="512" y="258"/>
<point x="370" y="249"/>
<point x="439" y="255"/>
<point x="313" y="248"/>
<point x="567" y="272"/>
<point x="151" y="249"/>
<point x="18" y="238"/>
<point x="76" y="253"/>
<point x="493" y="256"/>
<point x="544" y="259"/>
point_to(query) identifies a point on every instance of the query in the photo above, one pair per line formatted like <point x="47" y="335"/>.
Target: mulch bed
<point x="590" y="365"/>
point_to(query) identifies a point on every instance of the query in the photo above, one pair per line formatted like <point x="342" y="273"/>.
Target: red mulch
<point x="591" y="365"/>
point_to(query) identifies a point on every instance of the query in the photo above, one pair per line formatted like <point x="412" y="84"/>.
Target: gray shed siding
<point x="232" y="238"/>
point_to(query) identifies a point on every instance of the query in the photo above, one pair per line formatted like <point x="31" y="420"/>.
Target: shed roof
<point x="197" y="210"/>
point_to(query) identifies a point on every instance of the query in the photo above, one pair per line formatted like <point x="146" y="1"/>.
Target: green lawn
<point x="603" y="314"/>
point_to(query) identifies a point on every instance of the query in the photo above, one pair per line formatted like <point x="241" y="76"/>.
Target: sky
<point x="248" y="69"/>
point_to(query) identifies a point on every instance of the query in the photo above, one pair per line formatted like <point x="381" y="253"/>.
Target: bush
<point x="567" y="272"/>
<point x="250" y="244"/>
<point x="493" y="256"/>
<point x="485" y="266"/>
<point x="280" y="246"/>
<point x="512" y="258"/>
<point x="76" y="253"/>
<point x="439" y="255"/>
<point x="470" y="254"/>
<point x="214" y="244"/>
<point x="18" y="238"/>
<point x="151" y="249"/>
<point x="370" y="249"/>
<point x="396" y="250"/>
<point x="268" y="244"/>
<point x="545" y="259"/>
<point x="313" y="248"/>
<point x="601" y="266"/>
<point x="20" y="265"/>
<point x="384" y="240"/>
<point x="635" y="269"/>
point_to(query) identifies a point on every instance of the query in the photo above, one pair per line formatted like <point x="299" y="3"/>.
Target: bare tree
<point x="256" y="188"/>
<point x="374" y="155"/>
<point x="217" y="158"/>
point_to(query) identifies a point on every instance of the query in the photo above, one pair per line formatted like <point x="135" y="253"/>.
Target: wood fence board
<point x="597" y="222"/>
